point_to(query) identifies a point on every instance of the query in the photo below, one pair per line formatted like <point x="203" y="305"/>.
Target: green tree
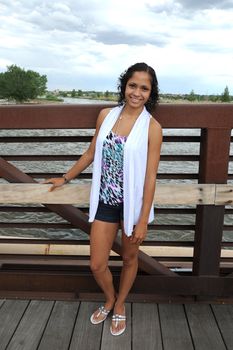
<point x="73" y="93"/>
<point x="21" y="85"/>
<point x="214" y="98"/>
<point x="106" y="94"/>
<point x="192" y="96"/>
<point x="63" y="93"/>
<point x="225" y="97"/>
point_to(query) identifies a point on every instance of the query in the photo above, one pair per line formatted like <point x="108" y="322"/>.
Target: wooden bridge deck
<point x="63" y="325"/>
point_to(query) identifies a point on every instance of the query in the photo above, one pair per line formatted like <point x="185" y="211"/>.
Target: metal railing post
<point x="213" y="168"/>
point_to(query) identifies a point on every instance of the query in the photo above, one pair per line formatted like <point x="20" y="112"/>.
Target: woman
<point x="126" y="151"/>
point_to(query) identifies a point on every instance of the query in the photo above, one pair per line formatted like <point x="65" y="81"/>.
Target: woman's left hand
<point x="139" y="233"/>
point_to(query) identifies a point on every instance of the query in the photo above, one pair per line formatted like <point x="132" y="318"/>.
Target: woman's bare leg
<point x="101" y="241"/>
<point x="128" y="274"/>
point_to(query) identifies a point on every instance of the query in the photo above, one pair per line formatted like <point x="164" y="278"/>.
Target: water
<point x="74" y="101"/>
<point x="63" y="166"/>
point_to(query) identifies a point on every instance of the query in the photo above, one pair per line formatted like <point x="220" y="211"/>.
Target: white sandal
<point x="118" y="318"/>
<point x="102" y="311"/>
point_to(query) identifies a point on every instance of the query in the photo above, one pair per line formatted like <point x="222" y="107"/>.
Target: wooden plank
<point x="48" y="250"/>
<point x="10" y="316"/>
<point x="203" y="327"/>
<point x="77" y="218"/>
<point x="59" y="329"/>
<point x="224" y="318"/>
<point x="86" y="335"/>
<point x="122" y="342"/>
<point x="28" y="334"/>
<point x="38" y="193"/>
<point x="184" y="194"/>
<point x="146" y="333"/>
<point x="174" y="327"/>
<point x="79" y="194"/>
<point x="224" y="195"/>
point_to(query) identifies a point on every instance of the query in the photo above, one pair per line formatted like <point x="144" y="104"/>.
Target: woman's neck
<point x="131" y="112"/>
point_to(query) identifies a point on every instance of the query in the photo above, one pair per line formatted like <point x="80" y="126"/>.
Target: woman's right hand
<point x="55" y="181"/>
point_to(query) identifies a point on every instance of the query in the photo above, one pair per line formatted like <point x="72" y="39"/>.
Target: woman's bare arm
<point x="84" y="161"/>
<point x="87" y="158"/>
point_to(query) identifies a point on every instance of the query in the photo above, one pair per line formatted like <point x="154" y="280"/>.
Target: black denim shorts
<point x="109" y="213"/>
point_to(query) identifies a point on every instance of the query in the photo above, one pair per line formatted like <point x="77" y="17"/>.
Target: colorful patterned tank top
<point x="111" y="187"/>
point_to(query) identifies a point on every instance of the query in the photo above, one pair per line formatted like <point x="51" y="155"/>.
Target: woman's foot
<point x="118" y="325"/>
<point x="102" y="312"/>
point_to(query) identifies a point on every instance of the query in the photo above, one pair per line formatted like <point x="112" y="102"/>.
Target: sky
<point x="82" y="44"/>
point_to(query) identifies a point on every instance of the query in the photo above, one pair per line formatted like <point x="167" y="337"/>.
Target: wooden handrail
<point x="194" y="194"/>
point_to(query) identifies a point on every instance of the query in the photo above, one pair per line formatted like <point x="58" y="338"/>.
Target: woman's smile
<point x="135" y="99"/>
<point x="138" y="89"/>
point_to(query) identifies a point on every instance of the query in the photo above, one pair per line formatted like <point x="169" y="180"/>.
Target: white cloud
<point x="87" y="44"/>
<point x="4" y="63"/>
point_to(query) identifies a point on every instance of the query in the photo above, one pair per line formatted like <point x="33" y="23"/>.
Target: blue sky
<point x="86" y="45"/>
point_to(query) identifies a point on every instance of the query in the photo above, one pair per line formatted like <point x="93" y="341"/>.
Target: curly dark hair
<point x="125" y="76"/>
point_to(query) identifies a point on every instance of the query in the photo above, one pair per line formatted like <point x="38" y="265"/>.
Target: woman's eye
<point x="134" y="86"/>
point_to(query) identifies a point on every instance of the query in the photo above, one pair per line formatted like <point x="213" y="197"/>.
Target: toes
<point x="117" y="328"/>
<point x="96" y="317"/>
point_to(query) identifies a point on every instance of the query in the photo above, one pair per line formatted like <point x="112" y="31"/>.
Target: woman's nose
<point x="136" y="92"/>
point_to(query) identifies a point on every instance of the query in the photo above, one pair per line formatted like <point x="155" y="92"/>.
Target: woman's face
<point x="138" y="89"/>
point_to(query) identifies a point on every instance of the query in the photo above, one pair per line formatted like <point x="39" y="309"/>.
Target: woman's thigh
<point x="101" y="240"/>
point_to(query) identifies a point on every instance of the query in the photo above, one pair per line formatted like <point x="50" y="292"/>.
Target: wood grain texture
<point x="86" y="335"/>
<point x="39" y="193"/>
<point x="31" y="328"/>
<point x="149" y="326"/>
<point x="224" y="318"/>
<point x="146" y="332"/>
<point x="203" y="327"/>
<point x="174" y="327"/>
<point x="224" y="195"/>
<point x="60" y="326"/>
<point x="11" y="313"/>
<point x="78" y="194"/>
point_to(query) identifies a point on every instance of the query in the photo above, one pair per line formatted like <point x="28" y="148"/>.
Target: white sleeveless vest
<point x="134" y="168"/>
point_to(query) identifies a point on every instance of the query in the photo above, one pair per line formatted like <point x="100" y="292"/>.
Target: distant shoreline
<point x="56" y="101"/>
<point x="88" y="100"/>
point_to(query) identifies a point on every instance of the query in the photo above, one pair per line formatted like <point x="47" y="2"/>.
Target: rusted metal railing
<point x="200" y="273"/>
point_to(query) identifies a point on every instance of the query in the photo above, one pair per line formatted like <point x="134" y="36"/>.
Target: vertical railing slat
<point x="213" y="168"/>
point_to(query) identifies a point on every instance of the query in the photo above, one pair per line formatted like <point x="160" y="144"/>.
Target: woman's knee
<point x="130" y="259"/>
<point x="97" y="266"/>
